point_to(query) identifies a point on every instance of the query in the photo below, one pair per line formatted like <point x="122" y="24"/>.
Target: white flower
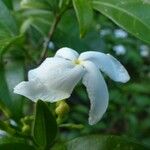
<point x="144" y="50"/>
<point x="57" y="76"/>
<point x="119" y="49"/>
<point x="119" y="33"/>
<point x="51" y="45"/>
<point x="3" y="134"/>
<point x="105" y="32"/>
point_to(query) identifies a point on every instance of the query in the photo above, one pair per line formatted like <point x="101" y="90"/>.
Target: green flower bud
<point x="26" y="129"/>
<point x="62" y="108"/>
<point x="27" y="119"/>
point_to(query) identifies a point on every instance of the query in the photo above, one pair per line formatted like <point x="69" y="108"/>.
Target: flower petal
<point x="48" y="65"/>
<point x="52" y="81"/>
<point x="64" y="80"/>
<point x="97" y="92"/>
<point x="33" y="90"/>
<point x="67" y="53"/>
<point x="108" y="64"/>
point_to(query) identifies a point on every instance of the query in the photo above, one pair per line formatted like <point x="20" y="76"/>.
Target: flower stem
<point x="72" y="126"/>
<point x="5" y="127"/>
<point x="51" y="32"/>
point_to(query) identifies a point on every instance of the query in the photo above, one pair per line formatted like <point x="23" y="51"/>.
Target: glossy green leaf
<point x="40" y="24"/>
<point x="97" y="142"/>
<point x="14" y="74"/>
<point x="10" y="75"/>
<point x="84" y="14"/>
<point x="133" y="16"/>
<point x="34" y="12"/>
<point x="4" y="92"/>
<point x="53" y="4"/>
<point x="63" y="3"/>
<point x="9" y="31"/>
<point x="91" y="41"/>
<point x="11" y="143"/>
<point x="4" y="109"/>
<point x="8" y="3"/>
<point x="40" y="4"/>
<point x="45" y="126"/>
<point x="7" y="42"/>
<point x="7" y="21"/>
<point x="40" y="19"/>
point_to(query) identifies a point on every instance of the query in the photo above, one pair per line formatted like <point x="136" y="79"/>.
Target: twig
<point x="52" y="30"/>
<point x="50" y="34"/>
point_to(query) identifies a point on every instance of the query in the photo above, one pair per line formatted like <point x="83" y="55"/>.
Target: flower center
<point x="77" y="62"/>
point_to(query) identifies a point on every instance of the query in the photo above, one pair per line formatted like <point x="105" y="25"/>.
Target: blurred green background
<point x="128" y="113"/>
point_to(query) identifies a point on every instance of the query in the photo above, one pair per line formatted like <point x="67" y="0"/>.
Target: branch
<point x="50" y="34"/>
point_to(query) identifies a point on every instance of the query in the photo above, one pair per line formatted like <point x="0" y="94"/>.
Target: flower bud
<point x="62" y="108"/>
<point x="26" y="129"/>
<point x="27" y="119"/>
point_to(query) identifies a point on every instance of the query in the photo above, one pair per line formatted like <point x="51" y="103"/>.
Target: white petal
<point x="67" y="53"/>
<point x="64" y="80"/>
<point x="33" y="90"/>
<point x="108" y="64"/>
<point x="48" y="65"/>
<point x="52" y="81"/>
<point x="97" y="92"/>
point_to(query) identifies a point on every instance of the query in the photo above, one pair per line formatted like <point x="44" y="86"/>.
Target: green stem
<point x="51" y="32"/>
<point x="72" y="126"/>
<point x="5" y="127"/>
<point x="29" y="56"/>
<point x="4" y="109"/>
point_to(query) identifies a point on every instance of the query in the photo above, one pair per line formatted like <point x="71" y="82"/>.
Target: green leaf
<point x="5" y="127"/>
<point x="11" y="143"/>
<point x="4" y="92"/>
<point x="40" y="4"/>
<point x="53" y="4"/>
<point x="40" y="24"/>
<point x="8" y="3"/>
<point x="84" y="15"/>
<point x="7" y="42"/>
<point x="133" y="16"/>
<point x="10" y="75"/>
<point x="9" y="31"/>
<point x="7" y="20"/>
<point x="97" y="142"/>
<point x="137" y="88"/>
<point x="63" y="3"/>
<point x="14" y="74"/>
<point x="91" y="41"/>
<point x="59" y="146"/>
<point x="45" y="126"/>
<point x="40" y="19"/>
<point x="4" y="109"/>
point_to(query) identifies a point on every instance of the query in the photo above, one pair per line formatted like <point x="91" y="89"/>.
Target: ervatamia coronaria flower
<point x="57" y="76"/>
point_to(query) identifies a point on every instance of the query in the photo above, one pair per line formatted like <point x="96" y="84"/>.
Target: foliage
<point x="45" y="126"/>
<point x="31" y="30"/>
